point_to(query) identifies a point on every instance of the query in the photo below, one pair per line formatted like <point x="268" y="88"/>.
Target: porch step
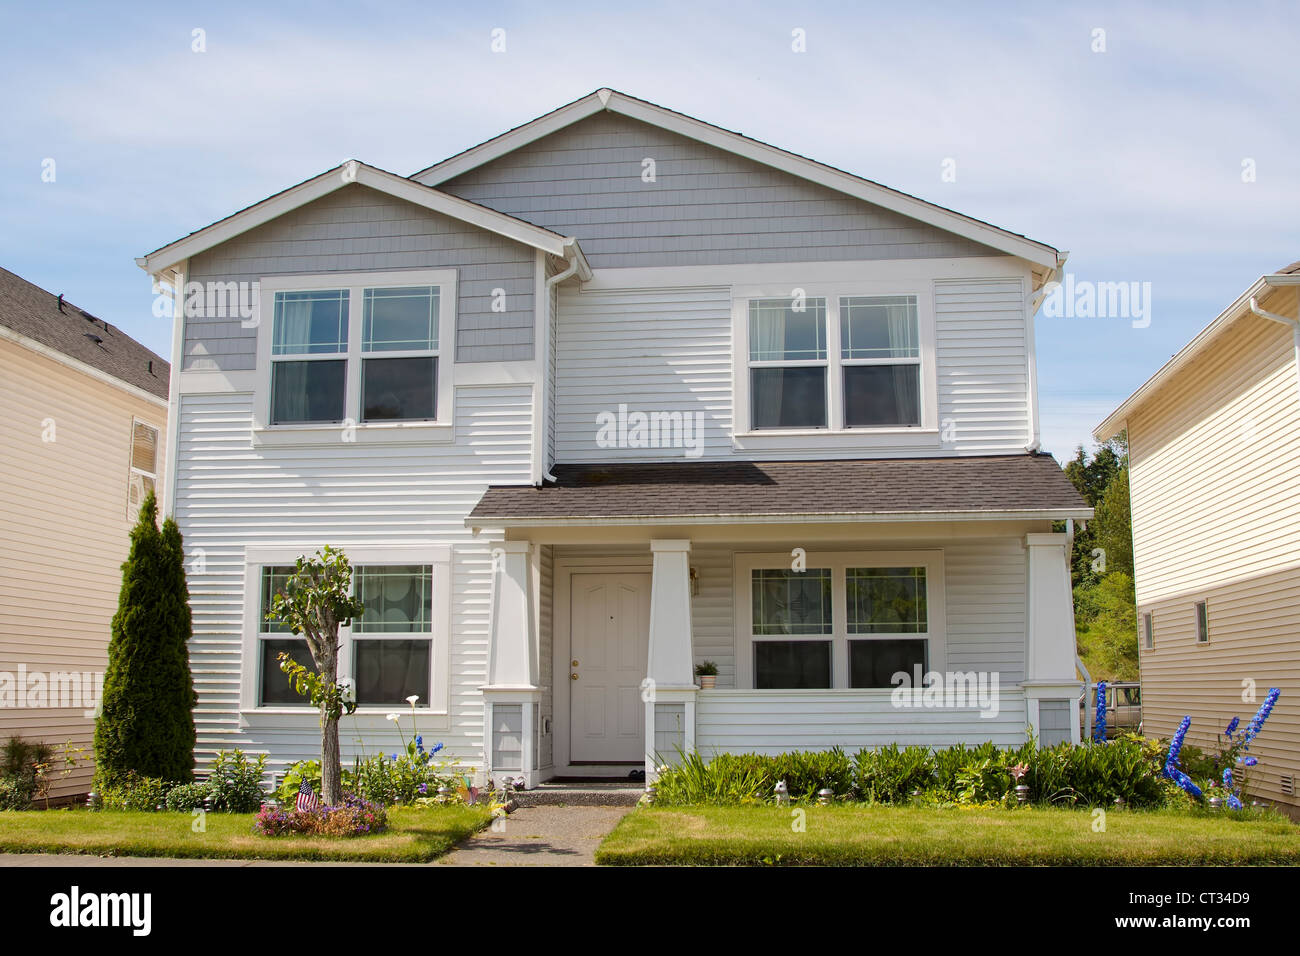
<point x="616" y="793"/>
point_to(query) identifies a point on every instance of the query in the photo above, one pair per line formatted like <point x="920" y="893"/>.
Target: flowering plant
<point x="1099" y="726"/>
<point x="407" y="776"/>
<point x="354" y="817"/>
<point x="1228" y="767"/>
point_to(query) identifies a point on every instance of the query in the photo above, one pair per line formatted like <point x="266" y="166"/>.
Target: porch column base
<point x="510" y="734"/>
<point x="1043" y="715"/>
<point x="669" y="726"/>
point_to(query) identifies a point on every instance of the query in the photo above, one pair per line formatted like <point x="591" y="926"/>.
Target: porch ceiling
<point x="691" y="492"/>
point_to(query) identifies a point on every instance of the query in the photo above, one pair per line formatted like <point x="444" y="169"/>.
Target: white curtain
<point x="292" y="326"/>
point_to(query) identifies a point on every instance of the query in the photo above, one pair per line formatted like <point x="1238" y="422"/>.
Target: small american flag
<point x="307" y="800"/>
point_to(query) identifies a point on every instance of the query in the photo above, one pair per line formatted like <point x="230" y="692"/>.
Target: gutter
<point x="1035" y="427"/>
<point x="1294" y="324"/>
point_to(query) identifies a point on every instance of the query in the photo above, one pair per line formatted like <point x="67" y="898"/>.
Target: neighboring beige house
<point x="83" y="414"/>
<point x="1214" y="448"/>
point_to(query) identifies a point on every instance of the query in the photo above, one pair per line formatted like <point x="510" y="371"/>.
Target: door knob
<point x="573" y="677"/>
<point x="573" y="663"/>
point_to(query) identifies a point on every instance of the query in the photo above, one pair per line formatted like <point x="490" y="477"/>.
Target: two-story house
<point x="1214" y="480"/>
<point x="613" y="394"/>
<point x="84" y="414"/>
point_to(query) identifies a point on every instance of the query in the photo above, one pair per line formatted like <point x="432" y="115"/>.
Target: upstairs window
<point x="309" y="345"/>
<point x="1202" y="623"/>
<point x="357" y="349"/>
<point x="881" y="357"/>
<point x="788" y="363"/>
<point x="1148" y="631"/>
<point x="399" y="360"/>
<point x="143" y="475"/>
<point x="835" y="362"/>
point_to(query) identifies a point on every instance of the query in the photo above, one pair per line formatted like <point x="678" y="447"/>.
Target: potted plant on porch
<point x="707" y="672"/>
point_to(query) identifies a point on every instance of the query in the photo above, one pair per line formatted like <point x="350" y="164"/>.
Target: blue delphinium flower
<point x="436" y="747"/>
<point x="423" y="788"/>
<point x="1247" y="761"/>
<point x="393" y="757"/>
<point x="1232" y="727"/>
<point x="1099" y="728"/>
<point x="1257" y="722"/>
<point x="1171" y="763"/>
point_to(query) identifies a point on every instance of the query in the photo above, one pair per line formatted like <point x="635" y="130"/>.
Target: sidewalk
<point x="540" y="836"/>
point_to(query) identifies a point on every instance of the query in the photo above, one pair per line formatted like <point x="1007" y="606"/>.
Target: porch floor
<point x="584" y="793"/>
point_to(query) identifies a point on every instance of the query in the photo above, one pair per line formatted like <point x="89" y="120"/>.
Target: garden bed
<point x="414" y="835"/>
<point x="913" y="836"/>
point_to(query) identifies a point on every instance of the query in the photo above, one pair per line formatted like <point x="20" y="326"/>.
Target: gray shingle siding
<point x="359" y="229"/>
<point x="706" y="207"/>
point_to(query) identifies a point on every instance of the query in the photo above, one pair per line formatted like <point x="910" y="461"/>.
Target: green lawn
<point x="413" y="836"/>
<point x="911" y="836"/>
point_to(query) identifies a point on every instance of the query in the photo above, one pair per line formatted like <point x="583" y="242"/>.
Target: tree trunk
<point x="331" y="783"/>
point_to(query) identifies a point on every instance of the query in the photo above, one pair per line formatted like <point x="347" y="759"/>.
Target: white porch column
<point x="1052" y="688"/>
<point x="669" y="692"/>
<point x="511" y="696"/>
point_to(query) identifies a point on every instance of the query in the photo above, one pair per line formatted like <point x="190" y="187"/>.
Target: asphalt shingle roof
<point x="31" y="311"/>
<point x="1001" y="483"/>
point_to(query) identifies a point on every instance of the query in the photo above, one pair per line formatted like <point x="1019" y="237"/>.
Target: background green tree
<point x="1105" y="613"/>
<point x="147" y="720"/>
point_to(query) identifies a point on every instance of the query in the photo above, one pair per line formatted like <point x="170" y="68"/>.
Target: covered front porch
<point x="598" y="623"/>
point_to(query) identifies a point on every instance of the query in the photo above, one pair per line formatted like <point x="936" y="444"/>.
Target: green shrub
<point x="1085" y="774"/>
<point x="397" y="779"/>
<point x="235" y="783"/>
<point x="147" y="724"/>
<point x="309" y="770"/>
<point x="187" y="797"/>
<point x="890" y="774"/>
<point x="16" y="792"/>
<point x="20" y="758"/>
<point x="134" y="792"/>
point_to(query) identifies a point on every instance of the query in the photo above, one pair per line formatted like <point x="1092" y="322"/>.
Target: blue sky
<point x="1131" y="159"/>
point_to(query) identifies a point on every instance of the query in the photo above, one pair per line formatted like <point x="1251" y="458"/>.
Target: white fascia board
<point x="1115" y="422"/>
<point x="954" y="222"/>
<point x="1040" y="514"/>
<point x="374" y="178"/>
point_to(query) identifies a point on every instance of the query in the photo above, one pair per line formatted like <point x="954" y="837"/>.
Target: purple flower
<point x="1257" y="722"/>
<point x="1232" y="727"/>
<point x="1171" y="763"/>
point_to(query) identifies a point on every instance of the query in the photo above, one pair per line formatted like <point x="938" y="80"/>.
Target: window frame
<point x="1148" y="631"/>
<point x="838" y="562"/>
<point x="833" y="292"/>
<point x="440" y="428"/>
<point x="439" y="557"/>
<point x="1201" y="611"/>
<point x="132" y="471"/>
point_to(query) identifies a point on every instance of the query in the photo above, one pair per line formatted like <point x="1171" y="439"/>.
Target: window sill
<point x="893" y="437"/>
<point x="382" y="712"/>
<point x="366" y="433"/>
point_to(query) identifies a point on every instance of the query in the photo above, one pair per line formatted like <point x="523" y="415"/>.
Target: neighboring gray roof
<point x="31" y="311"/>
<point x="886" y="486"/>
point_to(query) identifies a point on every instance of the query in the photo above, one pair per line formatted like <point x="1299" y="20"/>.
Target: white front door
<point x="609" y="643"/>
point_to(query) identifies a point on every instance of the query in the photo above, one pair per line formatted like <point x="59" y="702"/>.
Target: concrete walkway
<point x="539" y="836"/>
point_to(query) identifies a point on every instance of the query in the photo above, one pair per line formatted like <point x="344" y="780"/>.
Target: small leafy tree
<point x="147" y="722"/>
<point x="314" y="602"/>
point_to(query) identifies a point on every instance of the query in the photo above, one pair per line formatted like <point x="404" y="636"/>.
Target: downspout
<point x="573" y="259"/>
<point x="1035" y="427"/>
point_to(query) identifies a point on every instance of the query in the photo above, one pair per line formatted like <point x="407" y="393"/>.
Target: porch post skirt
<point x="1051" y="685"/>
<point x="512" y="696"/>
<point x="669" y="690"/>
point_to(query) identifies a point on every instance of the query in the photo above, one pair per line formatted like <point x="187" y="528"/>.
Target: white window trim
<point x="837" y="561"/>
<point x="921" y="288"/>
<point x="1196" y="620"/>
<point x="132" y="471"/>
<point x="357" y="431"/>
<point x="439" y="556"/>
<point x="1148" y="630"/>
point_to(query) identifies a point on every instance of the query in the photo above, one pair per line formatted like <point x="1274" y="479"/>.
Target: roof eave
<point x="536" y="521"/>
<point x="354" y="171"/>
<point x="1116" y="421"/>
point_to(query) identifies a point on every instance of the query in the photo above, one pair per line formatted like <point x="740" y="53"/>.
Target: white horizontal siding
<point x="775" y="721"/>
<point x="655" y="350"/>
<point x="982" y="362"/>
<point x="987" y="584"/>
<point x="231" y="494"/>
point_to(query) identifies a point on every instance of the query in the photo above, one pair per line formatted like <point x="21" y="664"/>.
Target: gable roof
<point x="345" y="174"/>
<point x="32" y="314"/>
<point x="1115" y="422"/>
<point x="882" y="489"/>
<point x="1040" y="254"/>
